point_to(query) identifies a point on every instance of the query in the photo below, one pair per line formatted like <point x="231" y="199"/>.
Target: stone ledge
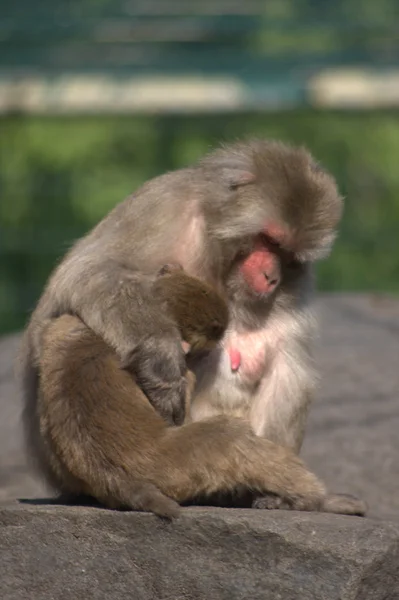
<point x="89" y="553"/>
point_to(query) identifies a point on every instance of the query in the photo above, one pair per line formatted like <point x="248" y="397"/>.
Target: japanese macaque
<point x="249" y="219"/>
<point x="201" y="316"/>
<point x="101" y="437"/>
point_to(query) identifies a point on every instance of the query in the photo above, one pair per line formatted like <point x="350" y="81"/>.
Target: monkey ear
<point x="235" y="178"/>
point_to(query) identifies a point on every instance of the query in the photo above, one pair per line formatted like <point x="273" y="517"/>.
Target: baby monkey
<point x="200" y="313"/>
<point x="200" y="316"/>
<point x="99" y="435"/>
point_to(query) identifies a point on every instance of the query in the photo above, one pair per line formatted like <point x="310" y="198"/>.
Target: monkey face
<point x="203" y="324"/>
<point x="200" y="342"/>
<point x="200" y="313"/>
<point x="263" y="268"/>
<point x="274" y="259"/>
<point x="278" y="214"/>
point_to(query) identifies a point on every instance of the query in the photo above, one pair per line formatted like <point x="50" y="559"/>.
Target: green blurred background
<point x="62" y="169"/>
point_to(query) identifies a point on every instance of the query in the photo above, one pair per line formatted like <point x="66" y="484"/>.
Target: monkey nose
<point x="272" y="281"/>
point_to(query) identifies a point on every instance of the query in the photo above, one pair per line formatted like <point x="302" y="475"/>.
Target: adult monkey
<point x="100" y="436"/>
<point x="250" y="219"/>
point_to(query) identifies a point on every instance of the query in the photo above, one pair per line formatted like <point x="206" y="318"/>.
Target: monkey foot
<point x="274" y="502"/>
<point x="344" y="504"/>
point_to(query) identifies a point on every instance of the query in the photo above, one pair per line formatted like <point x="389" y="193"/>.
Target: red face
<point x="261" y="269"/>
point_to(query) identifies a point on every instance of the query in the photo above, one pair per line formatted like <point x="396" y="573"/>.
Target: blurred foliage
<point x="59" y="176"/>
<point x="256" y="40"/>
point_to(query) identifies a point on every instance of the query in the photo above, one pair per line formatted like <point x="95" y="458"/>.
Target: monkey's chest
<point x="246" y="356"/>
<point x="227" y="379"/>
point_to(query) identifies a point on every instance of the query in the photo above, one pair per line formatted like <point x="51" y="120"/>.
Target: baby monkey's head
<point x="200" y="313"/>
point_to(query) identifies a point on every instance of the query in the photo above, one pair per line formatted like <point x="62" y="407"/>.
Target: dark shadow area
<point x="238" y="500"/>
<point x="62" y="500"/>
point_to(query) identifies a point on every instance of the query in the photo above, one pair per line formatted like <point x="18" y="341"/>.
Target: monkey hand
<point x="158" y="365"/>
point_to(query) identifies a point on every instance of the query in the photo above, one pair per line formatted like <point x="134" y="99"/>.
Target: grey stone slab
<point x="353" y="433"/>
<point x="86" y="553"/>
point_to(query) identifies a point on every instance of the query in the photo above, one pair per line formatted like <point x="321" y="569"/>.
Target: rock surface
<point x="210" y="554"/>
<point x="352" y="443"/>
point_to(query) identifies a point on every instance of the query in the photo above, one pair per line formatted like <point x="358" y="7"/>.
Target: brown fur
<point x="201" y="316"/>
<point x="103" y="438"/>
<point x="200" y="312"/>
<point x="206" y="217"/>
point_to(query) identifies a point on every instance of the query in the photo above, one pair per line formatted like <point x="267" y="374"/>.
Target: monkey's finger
<point x="274" y="502"/>
<point x="268" y="502"/>
<point x="178" y="415"/>
<point x="171" y="408"/>
<point x="186" y="347"/>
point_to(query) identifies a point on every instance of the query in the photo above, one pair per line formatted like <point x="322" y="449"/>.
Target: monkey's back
<point x="91" y="410"/>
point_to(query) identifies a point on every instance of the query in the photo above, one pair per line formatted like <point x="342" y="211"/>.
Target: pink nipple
<point x="235" y="359"/>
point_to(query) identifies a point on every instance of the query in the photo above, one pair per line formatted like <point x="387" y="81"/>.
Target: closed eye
<point x="269" y="241"/>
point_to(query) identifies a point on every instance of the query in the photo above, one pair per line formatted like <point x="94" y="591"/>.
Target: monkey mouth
<point x="239" y="290"/>
<point x="262" y="292"/>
